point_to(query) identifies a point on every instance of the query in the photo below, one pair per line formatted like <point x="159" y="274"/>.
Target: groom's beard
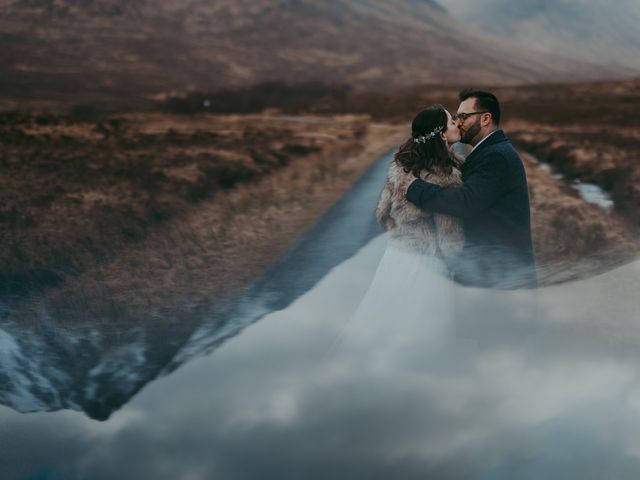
<point x="468" y="135"/>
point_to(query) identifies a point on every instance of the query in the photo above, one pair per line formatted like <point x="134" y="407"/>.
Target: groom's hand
<point x="406" y="183"/>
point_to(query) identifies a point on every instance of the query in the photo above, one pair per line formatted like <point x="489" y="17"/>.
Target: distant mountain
<point x="77" y="50"/>
<point x="588" y="30"/>
<point x="95" y="369"/>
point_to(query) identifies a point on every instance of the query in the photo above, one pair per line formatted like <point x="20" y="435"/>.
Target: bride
<point x="412" y="283"/>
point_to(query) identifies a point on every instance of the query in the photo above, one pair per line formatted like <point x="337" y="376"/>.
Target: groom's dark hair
<point x="485" y="101"/>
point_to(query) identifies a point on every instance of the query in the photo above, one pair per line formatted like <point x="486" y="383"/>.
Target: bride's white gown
<point x="409" y="305"/>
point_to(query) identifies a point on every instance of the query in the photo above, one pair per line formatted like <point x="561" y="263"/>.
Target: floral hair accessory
<point x="428" y="136"/>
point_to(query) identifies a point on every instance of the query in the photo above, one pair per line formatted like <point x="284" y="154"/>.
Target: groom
<point x="493" y="202"/>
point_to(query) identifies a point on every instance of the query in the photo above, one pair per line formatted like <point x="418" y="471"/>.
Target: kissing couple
<point x="452" y="220"/>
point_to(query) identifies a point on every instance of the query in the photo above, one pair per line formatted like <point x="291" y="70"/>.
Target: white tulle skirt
<point x="409" y="307"/>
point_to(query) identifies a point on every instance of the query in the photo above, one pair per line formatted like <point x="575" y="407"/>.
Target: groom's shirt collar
<point x="478" y="144"/>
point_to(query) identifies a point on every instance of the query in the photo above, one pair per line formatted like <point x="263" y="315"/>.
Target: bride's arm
<point x="449" y="229"/>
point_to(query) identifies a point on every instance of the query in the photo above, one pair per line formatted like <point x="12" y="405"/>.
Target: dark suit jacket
<point x="494" y="206"/>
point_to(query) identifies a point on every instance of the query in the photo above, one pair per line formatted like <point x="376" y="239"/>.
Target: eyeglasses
<point x="463" y="116"/>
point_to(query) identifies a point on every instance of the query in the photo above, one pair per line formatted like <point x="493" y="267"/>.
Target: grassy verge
<point x="73" y="193"/>
<point x="204" y="245"/>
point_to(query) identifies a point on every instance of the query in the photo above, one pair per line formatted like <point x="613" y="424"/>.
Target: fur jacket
<point x="414" y="229"/>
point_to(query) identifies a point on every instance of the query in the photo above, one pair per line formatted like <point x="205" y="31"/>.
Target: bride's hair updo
<point x="426" y="149"/>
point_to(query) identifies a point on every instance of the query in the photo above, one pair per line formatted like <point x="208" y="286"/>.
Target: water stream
<point x="589" y="192"/>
